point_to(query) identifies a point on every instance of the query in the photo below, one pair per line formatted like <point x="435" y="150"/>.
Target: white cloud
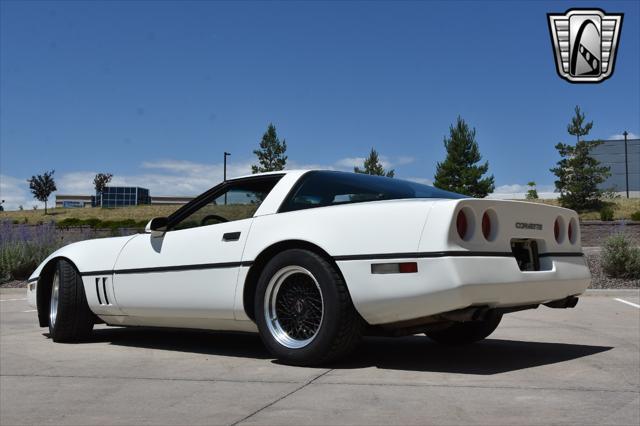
<point x="348" y="163"/>
<point x="76" y="183"/>
<point x="15" y="192"/>
<point x="620" y="136"/>
<point x="517" y="191"/>
<point x="424" y="181"/>
<point x="163" y="177"/>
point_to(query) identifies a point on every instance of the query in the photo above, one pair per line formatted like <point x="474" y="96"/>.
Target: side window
<point x="234" y="203"/>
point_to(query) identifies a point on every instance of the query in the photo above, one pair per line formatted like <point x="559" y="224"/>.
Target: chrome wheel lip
<point x="271" y="295"/>
<point x="53" y="304"/>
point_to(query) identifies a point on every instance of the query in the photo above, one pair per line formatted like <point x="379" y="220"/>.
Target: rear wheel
<point x="70" y="318"/>
<point x="303" y="309"/>
<point x="462" y="333"/>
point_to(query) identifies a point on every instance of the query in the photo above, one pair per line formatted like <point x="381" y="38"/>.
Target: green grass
<point x="623" y="208"/>
<point x="137" y="214"/>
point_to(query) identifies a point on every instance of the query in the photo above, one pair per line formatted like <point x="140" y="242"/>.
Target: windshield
<point x="328" y="188"/>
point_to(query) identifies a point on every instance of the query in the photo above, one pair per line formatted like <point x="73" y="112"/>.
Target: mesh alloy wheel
<point x="53" y="304"/>
<point x="293" y="307"/>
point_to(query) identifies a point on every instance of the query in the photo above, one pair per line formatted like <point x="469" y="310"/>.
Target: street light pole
<point x="226" y="154"/>
<point x="626" y="162"/>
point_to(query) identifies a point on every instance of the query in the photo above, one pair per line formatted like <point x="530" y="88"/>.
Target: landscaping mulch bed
<point x="14" y="284"/>
<point x="598" y="277"/>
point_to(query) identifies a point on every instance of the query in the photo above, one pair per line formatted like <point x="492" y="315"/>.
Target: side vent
<point x="101" y="291"/>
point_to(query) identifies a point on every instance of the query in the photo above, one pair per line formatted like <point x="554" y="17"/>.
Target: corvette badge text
<point x="534" y="226"/>
<point x="585" y="43"/>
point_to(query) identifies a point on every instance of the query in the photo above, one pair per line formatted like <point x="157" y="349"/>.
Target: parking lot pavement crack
<point x="427" y="385"/>
<point x="264" y="407"/>
<point x="177" y="379"/>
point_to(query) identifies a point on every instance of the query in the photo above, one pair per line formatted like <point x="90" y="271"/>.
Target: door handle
<point x="231" y="236"/>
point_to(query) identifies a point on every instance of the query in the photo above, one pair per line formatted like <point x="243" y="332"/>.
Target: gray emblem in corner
<point x="585" y="43"/>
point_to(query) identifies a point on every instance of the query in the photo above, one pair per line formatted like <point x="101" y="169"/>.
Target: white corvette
<point x="313" y="260"/>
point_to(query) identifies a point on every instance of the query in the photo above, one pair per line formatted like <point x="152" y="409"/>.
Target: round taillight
<point x="570" y="231"/>
<point x="461" y="224"/>
<point x="486" y="225"/>
<point x="556" y="230"/>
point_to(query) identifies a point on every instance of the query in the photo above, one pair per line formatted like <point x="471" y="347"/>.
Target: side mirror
<point x="157" y="226"/>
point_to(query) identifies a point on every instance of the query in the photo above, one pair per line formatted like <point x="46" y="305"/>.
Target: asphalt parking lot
<point x="548" y="366"/>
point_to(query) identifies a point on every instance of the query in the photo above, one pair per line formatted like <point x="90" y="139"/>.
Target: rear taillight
<point x="462" y="224"/>
<point x="486" y="225"/>
<point x="570" y="231"/>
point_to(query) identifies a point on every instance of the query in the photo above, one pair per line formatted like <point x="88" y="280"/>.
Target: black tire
<point x="463" y="333"/>
<point x="340" y="326"/>
<point x="73" y="320"/>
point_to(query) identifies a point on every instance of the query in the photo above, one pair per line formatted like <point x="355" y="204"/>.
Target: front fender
<point x="90" y="255"/>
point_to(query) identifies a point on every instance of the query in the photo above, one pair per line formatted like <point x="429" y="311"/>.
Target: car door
<point x="191" y="270"/>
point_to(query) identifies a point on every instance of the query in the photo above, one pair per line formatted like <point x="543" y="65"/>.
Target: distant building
<point x="118" y="197"/>
<point x="74" y="201"/>
<point x="611" y="154"/>
<point x="122" y="196"/>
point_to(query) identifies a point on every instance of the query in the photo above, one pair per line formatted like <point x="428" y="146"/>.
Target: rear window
<point x="326" y="188"/>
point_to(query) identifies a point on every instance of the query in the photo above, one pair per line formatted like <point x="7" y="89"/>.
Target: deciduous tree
<point x="42" y="186"/>
<point x="101" y="180"/>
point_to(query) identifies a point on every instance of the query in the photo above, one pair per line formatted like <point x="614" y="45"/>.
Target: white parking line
<point x="628" y="303"/>
<point x="11" y="300"/>
<point x="31" y="310"/>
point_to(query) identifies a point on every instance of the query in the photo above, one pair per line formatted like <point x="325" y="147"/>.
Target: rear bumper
<point x="449" y="283"/>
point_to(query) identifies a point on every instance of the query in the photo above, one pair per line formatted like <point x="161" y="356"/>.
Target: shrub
<point x="633" y="264"/>
<point x="92" y="222"/>
<point x="620" y="259"/>
<point x="606" y="213"/>
<point x="635" y="216"/>
<point x="70" y="221"/>
<point x="23" y="247"/>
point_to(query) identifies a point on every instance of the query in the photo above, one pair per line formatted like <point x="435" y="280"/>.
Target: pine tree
<point x="42" y="186"/>
<point x="578" y="173"/>
<point x="532" y="192"/>
<point x="459" y="172"/>
<point x="372" y="166"/>
<point x="575" y="127"/>
<point x="271" y="153"/>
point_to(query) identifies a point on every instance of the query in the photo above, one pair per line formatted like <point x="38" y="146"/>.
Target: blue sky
<point x="154" y="92"/>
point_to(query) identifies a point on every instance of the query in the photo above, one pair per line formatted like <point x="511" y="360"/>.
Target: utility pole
<point x="626" y="162"/>
<point x="226" y="154"/>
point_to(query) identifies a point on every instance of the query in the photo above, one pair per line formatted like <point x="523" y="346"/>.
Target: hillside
<point x="623" y="209"/>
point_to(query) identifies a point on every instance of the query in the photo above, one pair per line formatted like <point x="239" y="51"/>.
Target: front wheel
<point x="70" y="318"/>
<point x="303" y="309"/>
<point x="462" y="333"/>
